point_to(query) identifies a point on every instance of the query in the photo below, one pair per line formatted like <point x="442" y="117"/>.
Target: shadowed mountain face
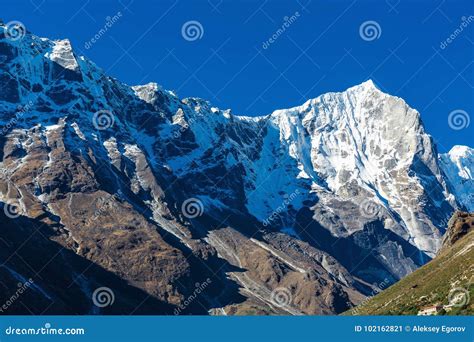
<point x="445" y="284"/>
<point x="175" y="206"/>
<point x="41" y="276"/>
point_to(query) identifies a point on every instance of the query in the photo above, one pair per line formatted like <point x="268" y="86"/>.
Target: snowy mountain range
<point x="302" y="211"/>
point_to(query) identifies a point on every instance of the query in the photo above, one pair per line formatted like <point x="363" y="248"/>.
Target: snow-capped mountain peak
<point x="362" y="145"/>
<point x="364" y="86"/>
<point x="63" y="54"/>
<point x="459" y="152"/>
<point x="458" y="166"/>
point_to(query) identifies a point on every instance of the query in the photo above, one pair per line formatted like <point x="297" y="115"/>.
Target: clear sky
<point x="322" y="48"/>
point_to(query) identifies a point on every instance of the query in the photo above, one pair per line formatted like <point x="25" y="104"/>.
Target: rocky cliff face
<point x="460" y="224"/>
<point x="296" y="212"/>
<point x="447" y="281"/>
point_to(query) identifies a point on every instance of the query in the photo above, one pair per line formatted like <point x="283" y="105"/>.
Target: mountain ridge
<point x="297" y="212"/>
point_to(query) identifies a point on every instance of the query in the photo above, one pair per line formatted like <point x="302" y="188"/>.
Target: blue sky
<point x="321" y="50"/>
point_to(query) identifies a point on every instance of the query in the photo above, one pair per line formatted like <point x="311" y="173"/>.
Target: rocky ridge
<point x="134" y="189"/>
